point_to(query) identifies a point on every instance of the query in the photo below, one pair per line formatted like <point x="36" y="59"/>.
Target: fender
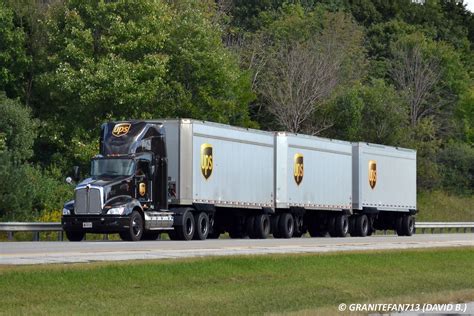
<point x="124" y="200"/>
<point x="178" y="214"/>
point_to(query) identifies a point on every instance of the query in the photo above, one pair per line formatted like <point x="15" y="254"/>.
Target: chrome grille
<point x="88" y="201"/>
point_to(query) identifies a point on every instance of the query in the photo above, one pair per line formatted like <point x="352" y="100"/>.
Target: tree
<point x="133" y="59"/>
<point x="18" y="129"/>
<point x="429" y="75"/>
<point x="13" y="57"/>
<point x="301" y="73"/>
<point x="373" y="113"/>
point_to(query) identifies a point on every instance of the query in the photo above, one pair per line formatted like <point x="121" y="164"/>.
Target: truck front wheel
<point x="135" y="230"/>
<point x="75" y="236"/>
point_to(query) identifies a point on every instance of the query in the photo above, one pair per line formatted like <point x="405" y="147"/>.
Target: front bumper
<point x="96" y="224"/>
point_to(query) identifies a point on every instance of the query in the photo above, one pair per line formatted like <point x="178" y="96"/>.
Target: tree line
<point x="393" y="72"/>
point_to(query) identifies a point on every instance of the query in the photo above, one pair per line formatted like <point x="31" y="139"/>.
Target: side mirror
<point x="76" y="174"/>
<point x="152" y="170"/>
<point x="69" y="180"/>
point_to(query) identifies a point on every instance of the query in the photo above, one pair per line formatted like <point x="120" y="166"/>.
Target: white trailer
<point x="313" y="173"/>
<point x="218" y="164"/>
<point x="384" y="177"/>
<point x="384" y="184"/>
<point x="313" y="181"/>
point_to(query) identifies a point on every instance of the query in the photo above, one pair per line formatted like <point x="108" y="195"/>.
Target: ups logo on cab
<point x="298" y="168"/>
<point x="206" y="160"/>
<point x="372" y="173"/>
<point x="121" y="129"/>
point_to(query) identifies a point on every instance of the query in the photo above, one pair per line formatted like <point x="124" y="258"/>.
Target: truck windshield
<point x="112" y="167"/>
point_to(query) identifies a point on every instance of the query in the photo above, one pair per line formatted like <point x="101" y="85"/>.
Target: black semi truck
<point x="197" y="180"/>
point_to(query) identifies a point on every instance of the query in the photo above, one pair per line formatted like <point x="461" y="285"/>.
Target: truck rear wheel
<point x="286" y="225"/>
<point x="341" y="225"/>
<point x="201" y="222"/>
<point x="75" y="236"/>
<point x="262" y="226"/>
<point x="185" y="231"/>
<point x="361" y="225"/>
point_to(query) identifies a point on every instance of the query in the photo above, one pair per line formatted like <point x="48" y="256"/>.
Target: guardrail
<point x="37" y="227"/>
<point x="441" y="226"/>
<point x="34" y="227"/>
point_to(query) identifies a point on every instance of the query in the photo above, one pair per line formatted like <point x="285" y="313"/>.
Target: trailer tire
<point x="361" y="225"/>
<point x="75" y="236"/>
<point x="408" y="225"/>
<point x="341" y="225"/>
<point x="185" y="231"/>
<point x="286" y="225"/>
<point x="201" y="224"/>
<point x="275" y="219"/>
<point x="250" y="227"/>
<point x="262" y="226"/>
<point x="151" y="235"/>
<point x="314" y="227"/>
<point x="399" y="226"/>
<point x="331" y="225"/>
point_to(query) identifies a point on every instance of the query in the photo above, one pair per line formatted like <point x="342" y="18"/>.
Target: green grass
<point x="440" y="206"/>
<point x="236" y="285"/>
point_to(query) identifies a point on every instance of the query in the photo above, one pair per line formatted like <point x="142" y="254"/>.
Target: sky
<point x="469" y="5"/>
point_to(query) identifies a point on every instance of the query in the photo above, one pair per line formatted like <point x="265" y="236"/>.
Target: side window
<point x="142" y="169"/>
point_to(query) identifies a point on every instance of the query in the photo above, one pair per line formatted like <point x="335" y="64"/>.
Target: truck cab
<point x="127" y="191"/>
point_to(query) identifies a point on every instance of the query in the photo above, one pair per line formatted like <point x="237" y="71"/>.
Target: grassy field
<point x="440" y="207"/>
<point x="239" y="285"/>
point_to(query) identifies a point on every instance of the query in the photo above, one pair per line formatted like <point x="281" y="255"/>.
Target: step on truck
<point x="197" y="180"/>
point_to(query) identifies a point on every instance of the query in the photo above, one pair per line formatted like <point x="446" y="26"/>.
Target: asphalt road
<point x="20" y="253"/>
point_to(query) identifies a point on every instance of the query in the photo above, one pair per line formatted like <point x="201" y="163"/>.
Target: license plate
<point x="87" y="225"/>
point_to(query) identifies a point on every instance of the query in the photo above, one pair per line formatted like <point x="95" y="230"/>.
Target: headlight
<point x="116" y="211"/>
<point x="66" y="211"/>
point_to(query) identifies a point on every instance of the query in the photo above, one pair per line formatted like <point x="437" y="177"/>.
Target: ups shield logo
<point x="142" y="189"/>
<point x="372" y="173"/>
<point x="206" y="160"/>
<point x="298" y="168"/>
<point x="121" y="129"/>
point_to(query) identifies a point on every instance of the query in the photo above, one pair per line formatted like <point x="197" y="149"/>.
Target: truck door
<point x="143" y="181"/>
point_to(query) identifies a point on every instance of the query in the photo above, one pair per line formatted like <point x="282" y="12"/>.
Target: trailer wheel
<point x="399" y="226"/>
<point x="250" y="227"/>
<point x="262" y="226"/>
<point x="286" y="225"/>
<point x="275" y="219"/>
<point x="341" y="225"/>
<point x="75" y="236"/>
<point x="201" y="223"/>
<point x="151" y="235"/>
<point x="331" y="225"/>
<point x="362" y="225"/>
<point x="315" y="229"/>
<point x="408" y="225"/>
